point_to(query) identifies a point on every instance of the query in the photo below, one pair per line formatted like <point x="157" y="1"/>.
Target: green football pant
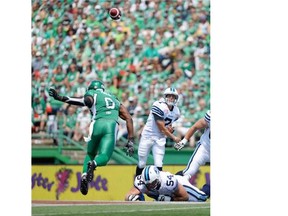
<point x="103" y="141"/>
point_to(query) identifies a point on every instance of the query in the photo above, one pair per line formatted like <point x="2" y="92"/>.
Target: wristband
<point x="184" y="141"/>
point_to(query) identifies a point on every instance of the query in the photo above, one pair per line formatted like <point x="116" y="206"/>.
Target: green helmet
<point x="96" y="85"/>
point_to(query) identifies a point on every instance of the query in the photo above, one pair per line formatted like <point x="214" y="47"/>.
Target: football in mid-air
<point x="115" y="13"/>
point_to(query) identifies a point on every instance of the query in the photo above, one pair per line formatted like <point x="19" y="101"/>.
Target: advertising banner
<point x="112" y="182"/>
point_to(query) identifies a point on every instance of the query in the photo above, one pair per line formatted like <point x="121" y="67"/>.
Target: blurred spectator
<point x="151" y="51"/>
<point x="39" y="114"/>
<point x="132" y="105"/>
<point x="70" y="121"/>
<point x="55" y="124"/>
<point x="199" y="54"/>
<point x="58" y="77"/>
<point x="82" y="124"/>
<point x="124" y="98"/>
<point x="72" y="77"/>
<point x="79" y="88"/>
<point x="38" y="62"/>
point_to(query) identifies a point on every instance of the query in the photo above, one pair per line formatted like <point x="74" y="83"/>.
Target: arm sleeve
<point x="73" y="100"/>
<point x="207" y="117"/>
<point x="157" y="117"/>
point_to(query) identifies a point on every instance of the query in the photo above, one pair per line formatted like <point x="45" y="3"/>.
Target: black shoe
<point x="90" y="171"/>
<point x="206" y="189"/>
<point x="179" y="173"/>
<point x="84" y="185"/>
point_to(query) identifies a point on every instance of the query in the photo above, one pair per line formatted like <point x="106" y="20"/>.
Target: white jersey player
<point x="201" y="154"/>
<point x="164" y="186"/>
<point x="157" y="128"/>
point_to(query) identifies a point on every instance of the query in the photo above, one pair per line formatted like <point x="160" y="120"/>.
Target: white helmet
<point x="151" y="177"/>
<point x="171" y="91"/>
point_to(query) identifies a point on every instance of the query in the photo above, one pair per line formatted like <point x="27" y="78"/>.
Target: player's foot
<point x="179" y="173"/>
<point x="84" y="185"/>
<point x="206" y="189"/>
<point x="90" y="171"/>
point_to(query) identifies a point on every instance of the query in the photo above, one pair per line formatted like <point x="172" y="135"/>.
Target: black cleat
<point x="179" y="173"/>
<point x="206" y="189"/>
<point x="90" y="171"/>
<point x="84" y="185"/>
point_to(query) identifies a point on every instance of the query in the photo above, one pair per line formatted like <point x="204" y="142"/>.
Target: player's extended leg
<point x="88" y="164"/>
<point x="158" y="150"/>
<point x="143" y="153"/>
<point x="195" y="195"/>
<point x="106" y="149"/>
<point x="104" y="136"/>
<point x="197" y="159"/>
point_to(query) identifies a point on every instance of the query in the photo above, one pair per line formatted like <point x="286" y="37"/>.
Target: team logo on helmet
<point x="96" y="85"/>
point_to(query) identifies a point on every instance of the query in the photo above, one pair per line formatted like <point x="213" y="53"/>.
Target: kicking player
<point x="201" y="154"/>
<point x="157" y="128"/>
<point x="164" y="186"/>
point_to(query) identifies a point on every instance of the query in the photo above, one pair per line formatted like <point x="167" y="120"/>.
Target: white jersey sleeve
<point x="205" y="138"/>
<point x="207" y="117"/>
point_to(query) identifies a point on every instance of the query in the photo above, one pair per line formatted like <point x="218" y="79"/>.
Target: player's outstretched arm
<point x="70" y="100"/>
<point x="200" y="124"/>
<point x="161" y="125"/>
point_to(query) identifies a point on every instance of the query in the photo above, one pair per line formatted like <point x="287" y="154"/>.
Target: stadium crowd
<point x="155" y="44"/>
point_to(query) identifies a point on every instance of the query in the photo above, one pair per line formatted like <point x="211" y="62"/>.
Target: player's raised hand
<point x="53" y="93"/>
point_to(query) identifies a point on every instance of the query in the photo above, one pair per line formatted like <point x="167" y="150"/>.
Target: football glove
<point x="178" y="146"/>
<point x="53" y="93"/>
<point x="133" y="197"/>
<point x="129" y="147"/>
<point x="163" y="198"/>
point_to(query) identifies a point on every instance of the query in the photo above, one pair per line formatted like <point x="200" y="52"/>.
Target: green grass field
<point x="123" y="208"/>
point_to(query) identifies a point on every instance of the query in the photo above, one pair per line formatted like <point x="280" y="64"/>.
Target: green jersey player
<point x="105" y="109"/>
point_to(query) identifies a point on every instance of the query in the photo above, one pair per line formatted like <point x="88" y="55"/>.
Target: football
<point x="115" y="13"/>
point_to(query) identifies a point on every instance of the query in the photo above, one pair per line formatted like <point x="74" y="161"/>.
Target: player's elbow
<point x="88" y="101"/>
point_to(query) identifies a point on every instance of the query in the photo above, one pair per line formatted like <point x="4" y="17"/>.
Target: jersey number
<point x="170" y="182"/>
<point x="109" y="103"/>
<point x="167" y="121"/>
<point x="140" y="181"/>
